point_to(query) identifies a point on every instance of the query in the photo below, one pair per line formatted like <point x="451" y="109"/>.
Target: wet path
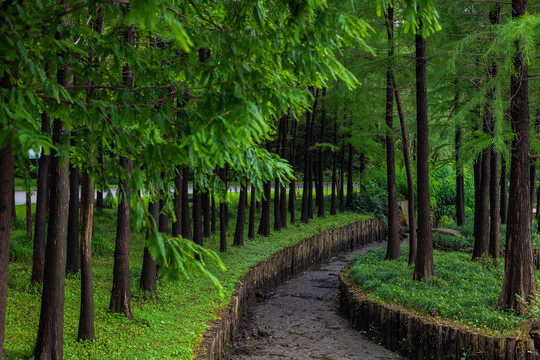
<point x="300" y="321"/>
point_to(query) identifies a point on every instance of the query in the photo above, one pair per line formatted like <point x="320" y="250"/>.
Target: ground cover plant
<point x="462" y="290"/>
<point x="169" y="327"/>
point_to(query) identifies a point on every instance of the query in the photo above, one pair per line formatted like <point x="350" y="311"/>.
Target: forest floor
<point x="300" y="320"/>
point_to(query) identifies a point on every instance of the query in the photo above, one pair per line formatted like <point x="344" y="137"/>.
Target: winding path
<point x="300" y="321"/>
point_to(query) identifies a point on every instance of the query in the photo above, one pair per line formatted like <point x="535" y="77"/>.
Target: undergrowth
<point x="462" y="290"/>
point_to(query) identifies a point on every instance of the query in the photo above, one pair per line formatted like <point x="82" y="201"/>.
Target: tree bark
<point x="460" y="186"/>
<point x="197" y="215"/>
<point x="342" y="179"/>
<point x="251" y="222"/>
<point x="424" y="267"/>
<point x="213" y="221"/>
<point x="177" y="224"/>
<point x="350" y="183"/>
<point x="393" y="249"/>
<point x="320" y="175"/>
<point x="481" y="243"/>
<point x="410" y="180"/>
<point x="504" y="192"/>
<point x="277" y="216"/>
<point x="477" y="168"/>
<point x="533" y="182"/>
<point x="304" y="216"/>
<point x="99" y="193"/>
<point x="86" y="319"/>
<point x="495" y="226"/>
<point x="519" y="278"/>
<point x="334" y="167"/>
<point x="73" y="261"/>
<point x="40" y="222"/>
<point x="205" y="198"/>
<point x="186" y="219"/>
<point x="222" y="216"/>
<point x="28" y="201"/>
<point x="50" y="337"/>
<point x="148" y="280"/>
<point x="241" y="217"/>
<point x="292" y="186"/>
<point x="264" y="225"/>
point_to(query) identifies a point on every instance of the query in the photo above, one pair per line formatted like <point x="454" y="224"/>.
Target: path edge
<point x="423" y="337"/>
<point x="280" y="266"/>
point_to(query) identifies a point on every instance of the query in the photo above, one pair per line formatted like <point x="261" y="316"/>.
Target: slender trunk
<point x="277" y="216"/>
<point x="460" y="186"/>
<point x="334" y="167"/>
<point x="519" y="278"/>
<point x="99" y="193"/>
<point x="342" y="179"/>
<point x="350" y="184"/>
<point x="393" y="249"/>
<point x="283" y="188"/>
<point x="197" y="214"/>
<point x="533" y="182"/>
<point x="424" y="267"/>
<point x="148" y="278"/>
<point x="222" y="216"/>
<point x="6" y="183"/>
<point x="495" y="226"/>
<point x="504" y="192"/>
<point x="186" y="219"/>
<point x="264" y="225"/>
<point x="205" y="197"/>
<point x="50" y="339"/>
<point x="86" y="319"/>
<point x="477" y="168"/>
<point x="292" y="186"/>
<point x="213" y="221"/>
<point x="410" y="180"/>
<point x="73" y="262"/>
<point x="120" y="295"/>
<point x="40" y="222"/>
<point x="320" y="175"/>
<point x="28" y="201"/>
<point x="481" y="243"/>
<point x="251" y="224"/>
<point x="178" y="199"/>
<point x="241" y="217"/>
<point x="304" y="216"/>
<point x="13" y="209"/>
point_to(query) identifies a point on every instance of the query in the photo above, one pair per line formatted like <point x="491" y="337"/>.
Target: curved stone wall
<point x="285" y="263"/>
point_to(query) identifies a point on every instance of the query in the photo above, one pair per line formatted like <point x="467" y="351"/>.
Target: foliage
<point x="462" y="290"/>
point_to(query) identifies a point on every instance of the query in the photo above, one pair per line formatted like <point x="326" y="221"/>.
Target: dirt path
<point x="300" y="321"/>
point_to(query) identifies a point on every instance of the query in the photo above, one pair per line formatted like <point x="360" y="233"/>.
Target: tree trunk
<point x="186" y="219"/>
<point x="424" y="267"/>
<point x="120" y="295"/>
<point x="481" y="243"/>
<point x="304" y="216"/>
<point x="292" y="186"/>
<point x="50" y="339"/>
<point x="28" y="201"/>
<point x="334" y="167"/>
<point x="320" y="175"/>
<point x="213" y="221"/>
<point x="241" y="217"/>
<point x="477" y="168"/>
<point x="40" y="222"/>
<point x="410" y="180"/>
<point x="251" y="224"/>
<point x="86" y="319"/>
<point x="73" y="261"/>
<point x="504" y="192"/>
<point x="533" y="182"/>
<point x="393" y="249"/>
<point x="460" y="186"/>
<point x="350" y="184"/>
<point x="99" y="193"/>
<point x="342" y="179"/>
<point x="223" y="216"/>
<point x="264" y="225"/>
<point x="148" y="278"/>
<point x="495" y="226"/>
<point x="177" y="224"/>
<point x="205" y="198"/>
<point x="6" y="184"/>
<point x="519" y="278"/>
<point x="197" y="215"/>
<point x="283" y="188"/>
<point x="277" y="216"/>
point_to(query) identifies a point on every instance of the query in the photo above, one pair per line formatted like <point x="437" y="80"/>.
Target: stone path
<point x="300" y="321"/>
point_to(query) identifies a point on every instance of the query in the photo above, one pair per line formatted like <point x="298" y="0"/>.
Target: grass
<point x="462" y="290"/>
<point x="170" y="327"/>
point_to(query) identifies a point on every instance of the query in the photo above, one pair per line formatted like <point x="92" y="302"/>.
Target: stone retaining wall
<point x="287" y="262"/>
<point x="423" y="337"/>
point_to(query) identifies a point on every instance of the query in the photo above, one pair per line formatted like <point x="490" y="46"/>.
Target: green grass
<point x="462" y="290"/>
<point x="170" y="327"/>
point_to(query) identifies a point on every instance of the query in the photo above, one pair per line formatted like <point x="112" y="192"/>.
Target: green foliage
<point x="462" y="290"/>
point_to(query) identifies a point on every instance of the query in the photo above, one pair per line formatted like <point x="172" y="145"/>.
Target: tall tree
<point x="292" y="186"/>
<point x="424" y="267"/>
<point x="251" y="221"/>
<point x="519" y="276"/>
<point x="223" y="214"/>
<point x="393" y="249"/>
<point x="320" y="160"/>
<point x="73" y="260"/>
<point x="241" y="216"/>
<point x="350" y="182"/>
<point x="148" y="278"/>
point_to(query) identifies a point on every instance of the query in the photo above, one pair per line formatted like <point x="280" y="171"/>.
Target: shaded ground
<point x="300" y="321"/>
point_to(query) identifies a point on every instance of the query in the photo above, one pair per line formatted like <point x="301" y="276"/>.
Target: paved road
<point x="20" y="196"/>
<point x="300" y="321"/>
